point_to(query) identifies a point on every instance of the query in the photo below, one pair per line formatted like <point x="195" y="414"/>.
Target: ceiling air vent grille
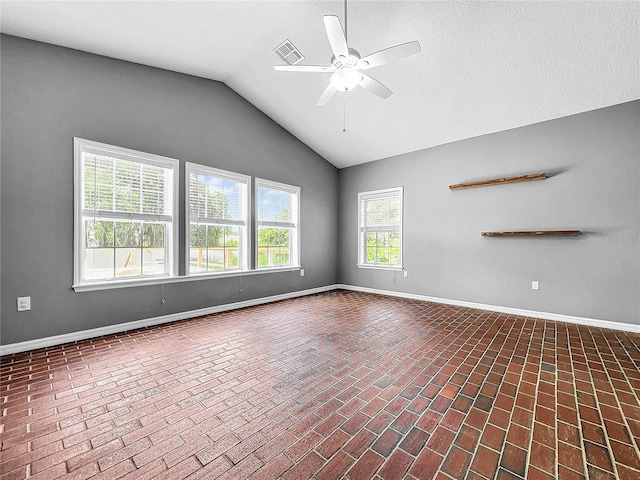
<point x="288" y="53"/>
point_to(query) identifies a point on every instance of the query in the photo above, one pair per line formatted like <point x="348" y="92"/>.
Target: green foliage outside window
<point x="274" y="244"/>
<point x="383" y="248"/>
<point x="213" y="247"/>
<point x="123" y="186"/>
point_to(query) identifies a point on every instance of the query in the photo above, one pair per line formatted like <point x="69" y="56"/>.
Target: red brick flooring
<point x="335" y="385"/>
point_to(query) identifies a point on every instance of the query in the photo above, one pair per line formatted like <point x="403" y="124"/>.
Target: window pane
<point x="281" y="257"/>
<point x="89" y="186"/>
<point x="382" y="211"/>
<point x="394" y="239"/>
<point x="215" y="236"/>
<point x="98" y="234"/>
<point x="98" y="263"/>
<point x="153" y="235"/>
<point x="274" y="246"/>
<point x="274" y="205"/>
<point x="127" y="187"/>
<point x="216" y="197"/>
<point x="371" y="239"/>
<point x="381" y="224"/>
<point x="114" y="183"/>
<point x="153" y="190"/>
<point x="217" y="204"/>
<point x="232" y="257"/>
<point x="231" y="243"/>
<point x="215" y="256"/>
<point x="394" y="256"/>
<point x="217" y="201"/>
<point x="383" y="239"/>
<point x="277" y="220"/>
<point x="197" y="260"/>
<point x="263" y="257"/>
<point x="98" y="182"/>
<point x="231" y="236"/>
<point x="198" y="235"/>
<point x="128" y="234"/>
<point x="381" y="256"/>
<point x="128" y="262"/>
<point x="153" y="261"/>
<point x="197" y="197"/>
<point x="273" y="237"/>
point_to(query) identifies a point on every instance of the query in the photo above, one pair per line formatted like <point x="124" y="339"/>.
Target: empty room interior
<point x="320" y="240"/>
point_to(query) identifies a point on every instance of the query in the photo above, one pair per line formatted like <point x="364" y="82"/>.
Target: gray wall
<point x="51" y="94"/>
<point x="594" y="158"/>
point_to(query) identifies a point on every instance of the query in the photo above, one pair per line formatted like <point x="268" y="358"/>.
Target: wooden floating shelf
<point x="532" y="233"/>
<point x="500" y="181"/>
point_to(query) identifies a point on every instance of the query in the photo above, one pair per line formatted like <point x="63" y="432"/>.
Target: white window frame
<point x="171" y="241"/>
<point x="362" y="230"/>
<point x="295" y="216"/>
<point x="244" y="244"/>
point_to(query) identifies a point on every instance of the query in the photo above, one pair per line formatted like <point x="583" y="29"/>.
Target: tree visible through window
<point x="125" y="208"/>
<point x="380" y="222"/>
<point x="277" y="219"/>
<point x="218" y="209"/>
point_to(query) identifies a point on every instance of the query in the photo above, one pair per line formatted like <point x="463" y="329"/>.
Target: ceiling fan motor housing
<point x="352" y="60"/>
<point x="346" y="77"/>
<point x="346" y="63"/>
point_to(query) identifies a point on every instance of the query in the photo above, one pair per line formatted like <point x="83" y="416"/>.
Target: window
<point x="277" y="218"/>
<point x="126" y="209"/>
<point x="218" y="209"/>
<point x="380" y="228"/>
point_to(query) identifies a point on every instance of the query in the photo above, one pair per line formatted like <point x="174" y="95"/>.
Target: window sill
<point x="90" y="287"/>
<point x="382" y="267"/>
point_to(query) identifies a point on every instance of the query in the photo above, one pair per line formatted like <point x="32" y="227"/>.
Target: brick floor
<point x="328" y="386"/>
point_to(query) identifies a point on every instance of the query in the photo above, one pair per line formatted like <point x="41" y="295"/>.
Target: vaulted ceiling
<point x="484" y="66"/>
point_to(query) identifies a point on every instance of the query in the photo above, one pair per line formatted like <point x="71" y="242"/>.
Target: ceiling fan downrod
<point x="346" y="38"/>
<point x="347" y="65"/>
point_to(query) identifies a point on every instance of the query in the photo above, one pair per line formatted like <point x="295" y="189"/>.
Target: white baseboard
<point x="592" y="322"/>
<point x="149" y="322"/>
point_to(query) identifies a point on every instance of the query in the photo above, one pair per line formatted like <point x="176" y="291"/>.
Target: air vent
<point x="288" y="53"/>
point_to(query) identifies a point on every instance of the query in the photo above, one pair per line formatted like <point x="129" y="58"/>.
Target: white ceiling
<point x="484" y="66"/>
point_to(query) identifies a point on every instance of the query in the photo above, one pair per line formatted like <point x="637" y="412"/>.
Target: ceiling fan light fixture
<point x="346" y="78"/>
<point x="346" y="62"/>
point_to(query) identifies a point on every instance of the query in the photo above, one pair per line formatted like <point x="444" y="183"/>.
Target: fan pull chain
<point x="95" y="188"/>
<point x="344" y="113"/>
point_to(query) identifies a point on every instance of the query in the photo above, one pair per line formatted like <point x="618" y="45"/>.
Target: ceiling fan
<point x="347" y="64"/>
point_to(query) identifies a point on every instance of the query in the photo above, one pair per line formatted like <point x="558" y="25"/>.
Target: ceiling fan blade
<point x="304" y="68"/>
<point x="327" y="94"/>
<point x="335" y="34"/>
<point x="375" y="87"/>
<point x="389" y="54"/>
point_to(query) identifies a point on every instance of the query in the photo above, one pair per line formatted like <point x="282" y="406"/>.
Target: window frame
<point x="294" y="255"/>
<point x="362" y="233"/>
<point x="244" y="259"/>
<point x="81" y="146"/>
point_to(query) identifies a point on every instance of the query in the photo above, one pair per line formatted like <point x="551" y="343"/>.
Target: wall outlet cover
<point x="24" y="304"/>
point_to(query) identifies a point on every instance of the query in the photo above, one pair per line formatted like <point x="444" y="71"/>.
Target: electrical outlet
<point x="24" y="304"/>
<point x="302" y="272"/>
<point x="405" y="274"/>
<point x="535" y="285"/>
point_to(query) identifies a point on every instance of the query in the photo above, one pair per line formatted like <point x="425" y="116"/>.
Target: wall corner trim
<point x="149" y="322"/>
<point x="591" y="322"/>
